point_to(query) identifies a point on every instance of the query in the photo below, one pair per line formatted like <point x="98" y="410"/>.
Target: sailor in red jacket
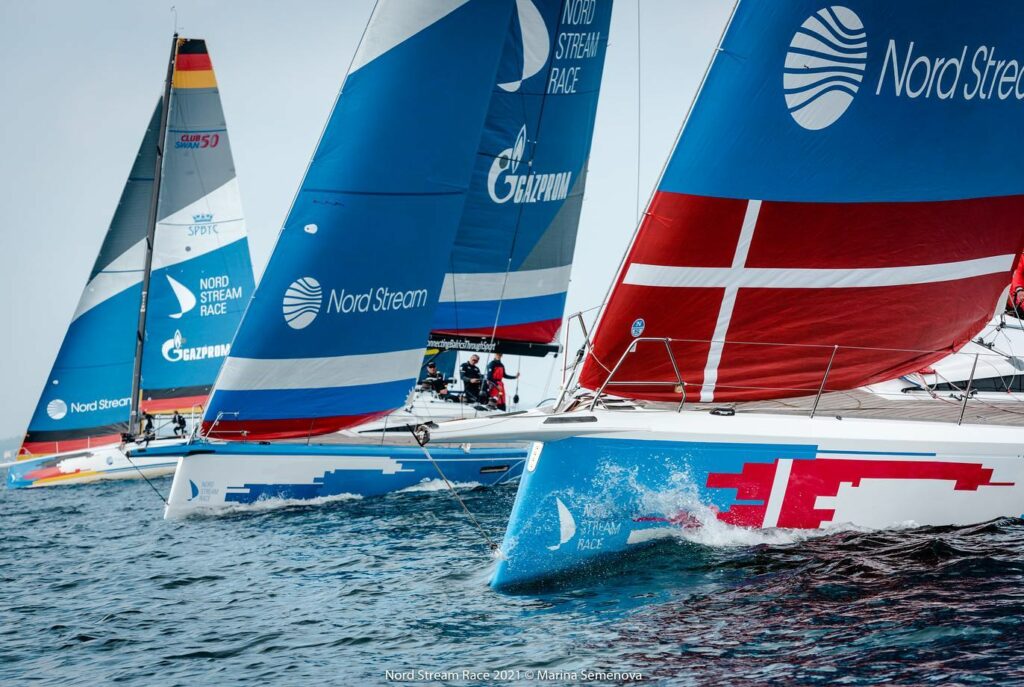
<point x="496" y="375"/>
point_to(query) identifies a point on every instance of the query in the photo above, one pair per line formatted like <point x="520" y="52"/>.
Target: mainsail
<point x="87" y="394"/>
<point x="509" y="271"/>
<point x="202" y="275"/>
<point x="805" y="205"/>
<point x="335" y="332"/>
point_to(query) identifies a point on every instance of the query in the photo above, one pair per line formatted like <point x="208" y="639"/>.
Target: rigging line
<point x="143" y="476"/>
<point x="639" y="117"/>
<point x="533" y="155"/>
<point x="490" y="542"/>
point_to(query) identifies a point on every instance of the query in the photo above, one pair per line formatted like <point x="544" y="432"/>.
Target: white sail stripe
<point x="258" y="374"/>
<point x="491" y="286"/>
<point x="169" y="249"/>
<point x="826" y="30"/>
<point x="792" y="81"/>
<point x="173" y="246"/>
<point x="855" y="24"/>
<point x="121" y="274"/>
<point x="739" y="259"/>
<point x="396" y="21"/>
<point x="796" y="101"/>
<point x="805" y="42"/>
<point x="805" y="278"/>
<point x="707" y="390"/>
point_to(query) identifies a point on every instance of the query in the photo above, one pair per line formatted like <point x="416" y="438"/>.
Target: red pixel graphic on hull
<point x="809" y="479"/>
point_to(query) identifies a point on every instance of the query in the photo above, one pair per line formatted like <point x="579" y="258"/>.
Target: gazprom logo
<point x="505" y="183"/>
<point x="56" y="409"/>
<point x="302" y="302"/>
<point x="825" y="67"/>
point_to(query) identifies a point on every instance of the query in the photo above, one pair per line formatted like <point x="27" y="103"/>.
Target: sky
<point x="80" y="81"/>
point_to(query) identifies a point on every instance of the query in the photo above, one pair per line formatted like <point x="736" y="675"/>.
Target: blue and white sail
<point x="509" y="271"/>
<point x="336" y="330"/>
<point x="87" y="397"/>
<point x="202" y="274"/>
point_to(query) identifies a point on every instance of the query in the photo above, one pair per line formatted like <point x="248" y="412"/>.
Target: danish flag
<point x="757" y="295"/>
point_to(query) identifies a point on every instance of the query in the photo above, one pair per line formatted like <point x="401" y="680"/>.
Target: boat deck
<point x="981" y="410"/>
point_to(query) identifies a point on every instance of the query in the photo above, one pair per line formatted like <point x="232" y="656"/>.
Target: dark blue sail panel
<point x="87" y="397"/>
<point x="509" y="270"/>
<point x="336" y="330"/>
<point x="202" y="274"/>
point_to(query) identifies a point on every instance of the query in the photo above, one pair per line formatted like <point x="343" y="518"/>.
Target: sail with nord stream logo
<point x="86" y="399"/>
<point x="846" y="168"/>
<point x="509" y="270"/>
<point x="335" y="332"/>
<point x="202" y="275"/>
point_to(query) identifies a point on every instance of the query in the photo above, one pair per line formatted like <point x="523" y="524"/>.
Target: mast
<point x="140" y="334"/>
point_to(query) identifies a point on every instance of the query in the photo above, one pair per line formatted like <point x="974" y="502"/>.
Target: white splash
<point x="438" y="485"/>
<point x="266" y="505"/>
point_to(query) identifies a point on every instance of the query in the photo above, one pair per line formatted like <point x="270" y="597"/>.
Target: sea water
<point x="98" y="589"/>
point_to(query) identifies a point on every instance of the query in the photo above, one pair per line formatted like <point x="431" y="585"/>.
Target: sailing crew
<point x="496" y="376"/>
<point x="178" y="421"/>
<point x="471" y="378"/>
<point x="148" y="432"/>
<point x="435" y="381"/>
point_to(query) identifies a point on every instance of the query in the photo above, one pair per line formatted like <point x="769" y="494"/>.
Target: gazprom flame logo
<point x="825" y="67"/>
<point x="56" y="409"/>
<point x="505" y="183"/>
<point x="302" y="302"/>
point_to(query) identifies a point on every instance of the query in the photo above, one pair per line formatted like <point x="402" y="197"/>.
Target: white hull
<point x="89" y="465"/>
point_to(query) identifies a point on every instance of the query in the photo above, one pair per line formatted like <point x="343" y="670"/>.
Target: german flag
<point x="192" y="66"/>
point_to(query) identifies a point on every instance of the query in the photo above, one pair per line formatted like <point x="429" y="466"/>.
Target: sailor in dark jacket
<point x="471" y="378"/>
<point x="435" y="381"/>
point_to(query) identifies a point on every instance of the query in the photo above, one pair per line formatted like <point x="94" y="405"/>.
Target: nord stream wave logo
<point x="825" y="67"/>
<point x="302" y="302"/>
<point x="56" y="409"/>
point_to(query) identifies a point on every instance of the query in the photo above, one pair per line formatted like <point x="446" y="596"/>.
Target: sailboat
<point x="341" y="338"/>
<point x="335" y="333"/>
<point x="840" y="166"/>
<point x="508" y="273"/>
<point x="163" y="300"/>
